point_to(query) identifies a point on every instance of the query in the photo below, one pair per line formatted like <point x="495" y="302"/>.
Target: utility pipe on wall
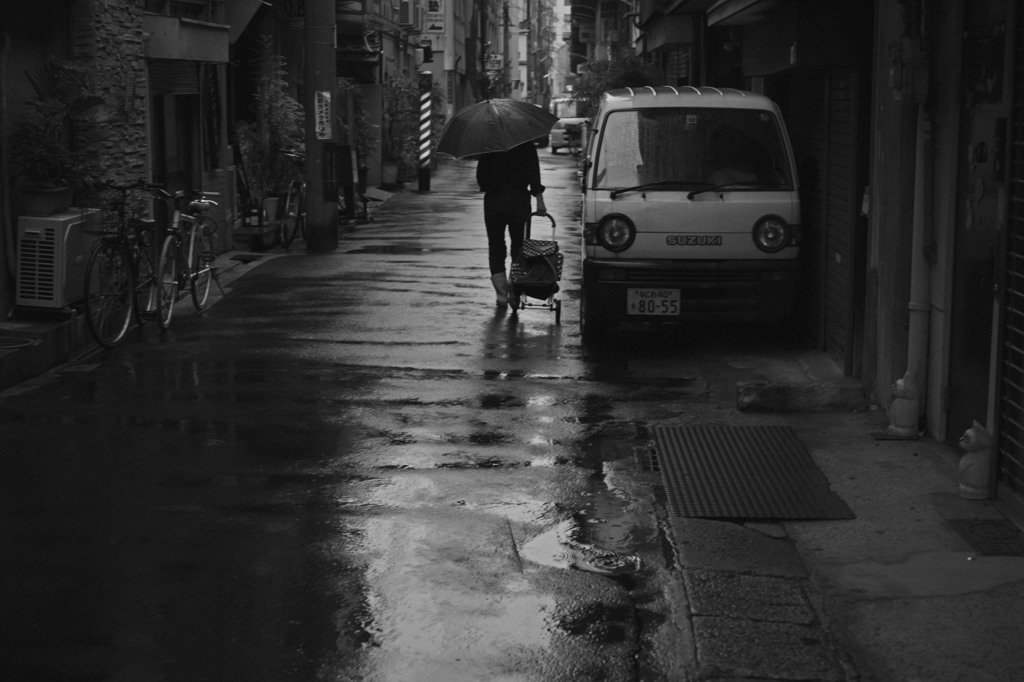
<point x="919" y="305"/>
<point x="914" y="382"/>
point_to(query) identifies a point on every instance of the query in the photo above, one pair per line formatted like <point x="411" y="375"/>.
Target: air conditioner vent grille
<point x="36" y="266"/>
<point x="52" y="255"/>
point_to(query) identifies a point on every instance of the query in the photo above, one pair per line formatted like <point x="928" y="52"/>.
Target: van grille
<point x="710" y="277"/>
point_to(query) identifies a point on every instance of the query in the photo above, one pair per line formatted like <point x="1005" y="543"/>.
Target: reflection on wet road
<point x="351" y="468"/>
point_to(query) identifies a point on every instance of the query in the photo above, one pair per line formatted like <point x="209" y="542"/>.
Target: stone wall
<point x="107" y="35"/>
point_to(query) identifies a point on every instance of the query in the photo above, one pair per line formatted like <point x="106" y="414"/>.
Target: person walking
<point x="508" y="179"/>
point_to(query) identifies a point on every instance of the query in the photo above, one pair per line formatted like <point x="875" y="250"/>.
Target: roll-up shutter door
<point x="1011" y="365"/>
<point x="821" y="115"/>
<point x="840" y="215"/>
<point x="677" y="66"/>
<point x="804" y="110"/>
<point x="168" y="77"/>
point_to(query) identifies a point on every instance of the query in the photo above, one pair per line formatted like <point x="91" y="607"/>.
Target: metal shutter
<point x="821" y="115"/>
<point x="171" y="77"/>
<point x="1010" y="411"/>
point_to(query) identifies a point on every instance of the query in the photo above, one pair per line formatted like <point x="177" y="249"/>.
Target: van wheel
<point x="592" y="328"/>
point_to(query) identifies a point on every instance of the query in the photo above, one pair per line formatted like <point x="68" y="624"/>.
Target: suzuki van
<point x="690" y="210"/>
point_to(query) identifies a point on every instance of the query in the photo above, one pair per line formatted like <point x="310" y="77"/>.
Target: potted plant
<point x="363" y="134"/>
<point x="40" y="142"/>
<point x="400" y="128"/>
<point x="278" y="127"/>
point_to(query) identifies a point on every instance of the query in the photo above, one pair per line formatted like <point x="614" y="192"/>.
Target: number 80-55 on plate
<point x="652" y="301"/>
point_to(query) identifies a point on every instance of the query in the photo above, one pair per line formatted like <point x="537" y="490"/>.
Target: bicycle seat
<point x="201" y="204"/>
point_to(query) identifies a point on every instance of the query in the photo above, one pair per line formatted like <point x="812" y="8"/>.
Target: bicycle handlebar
<point x="153" y="188"/>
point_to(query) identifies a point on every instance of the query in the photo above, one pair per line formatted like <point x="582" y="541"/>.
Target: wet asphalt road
<point x="349" y="468"/>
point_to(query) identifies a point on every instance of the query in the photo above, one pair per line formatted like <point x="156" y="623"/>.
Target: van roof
<point x="684" y="96"/>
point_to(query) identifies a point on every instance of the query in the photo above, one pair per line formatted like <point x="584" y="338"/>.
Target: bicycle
<point x="120" y="274"/>
<point x="293" y="220"/>
<point x="186" y="257"/>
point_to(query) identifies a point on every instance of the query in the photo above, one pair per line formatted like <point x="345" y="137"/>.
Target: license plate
<point x="652" y="301"/>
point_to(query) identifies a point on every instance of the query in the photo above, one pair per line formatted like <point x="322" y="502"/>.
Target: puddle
<point x="560" y="547"/>
<point x="599" y="538"/>
<point x="390" y="249"/>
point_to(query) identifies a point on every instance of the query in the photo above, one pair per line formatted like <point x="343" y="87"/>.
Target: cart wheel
<point x="558" y="311"/>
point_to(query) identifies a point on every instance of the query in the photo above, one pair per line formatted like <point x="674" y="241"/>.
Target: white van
<point x="690" y="209"/>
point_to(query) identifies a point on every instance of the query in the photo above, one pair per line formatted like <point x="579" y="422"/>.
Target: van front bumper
<point x="730" y="289"/>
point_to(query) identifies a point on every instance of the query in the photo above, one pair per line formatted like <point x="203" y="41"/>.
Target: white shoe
<point x="500" y="283"/>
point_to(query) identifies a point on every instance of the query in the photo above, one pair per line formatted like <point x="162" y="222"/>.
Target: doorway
<point x="980" y="196"/>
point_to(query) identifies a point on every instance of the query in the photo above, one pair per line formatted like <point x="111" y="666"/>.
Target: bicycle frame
<point x="180" y="263"/>
<point x="120" y="273"/>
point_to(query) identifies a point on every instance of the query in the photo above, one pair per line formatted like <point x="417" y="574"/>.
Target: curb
<point x="765" y="396"/>
<point x="34" y="342"/>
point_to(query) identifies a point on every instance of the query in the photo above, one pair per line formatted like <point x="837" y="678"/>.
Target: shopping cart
<point x="534" y="275"/>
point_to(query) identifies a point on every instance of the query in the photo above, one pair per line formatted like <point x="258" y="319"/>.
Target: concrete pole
<point x="321" y="76"/>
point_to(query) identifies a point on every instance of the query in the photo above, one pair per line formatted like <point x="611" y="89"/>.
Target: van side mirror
<point x="583" y="174"/>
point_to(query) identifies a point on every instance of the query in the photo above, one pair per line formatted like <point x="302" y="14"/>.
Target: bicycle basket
<point x="101" y="212"/>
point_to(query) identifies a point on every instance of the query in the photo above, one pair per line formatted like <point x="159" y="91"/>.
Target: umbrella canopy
<point x="494" y="125"/>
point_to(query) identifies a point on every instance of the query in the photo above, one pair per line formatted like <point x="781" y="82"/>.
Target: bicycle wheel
<point x="145" y="275"/>
<point x="301" y="222"/>
<point x="200" y="258"/>
<point x="167" y="271"/>
<point x="292" y="213"/>
<point x="109" y="301"/>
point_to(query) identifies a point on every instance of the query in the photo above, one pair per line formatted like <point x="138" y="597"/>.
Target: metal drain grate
<point x="754" y="472"/>
<point x="646" y="460"/>
<point x="991" y="537"/>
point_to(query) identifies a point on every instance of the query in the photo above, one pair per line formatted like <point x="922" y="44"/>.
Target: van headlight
<point x="616" y="232"/>
<point x="772" y="234"/>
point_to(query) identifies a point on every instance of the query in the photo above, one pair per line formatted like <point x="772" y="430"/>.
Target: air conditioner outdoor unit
<point x="405" y="13"/>
<point x="52" y="254"/>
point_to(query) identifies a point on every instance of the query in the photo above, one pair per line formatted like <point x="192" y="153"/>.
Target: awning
<point x="741" y="12"/>
<point x="185" y="39"/>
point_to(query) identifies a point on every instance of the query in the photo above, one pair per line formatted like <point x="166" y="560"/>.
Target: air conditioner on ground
<point x="52" y="253"/>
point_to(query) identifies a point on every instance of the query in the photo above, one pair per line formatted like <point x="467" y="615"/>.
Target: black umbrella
<point x="494" y="125"/>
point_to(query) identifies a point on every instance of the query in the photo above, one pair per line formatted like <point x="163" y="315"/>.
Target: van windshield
<point x="690" y="148"/>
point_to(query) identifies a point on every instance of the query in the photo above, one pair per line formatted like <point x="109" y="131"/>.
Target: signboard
<point x="434" y="21"/>
<point x="323" y="115"/>
<point x="349" y="7"/>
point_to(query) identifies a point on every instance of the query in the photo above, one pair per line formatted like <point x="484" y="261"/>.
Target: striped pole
<point x="426" y="86"/>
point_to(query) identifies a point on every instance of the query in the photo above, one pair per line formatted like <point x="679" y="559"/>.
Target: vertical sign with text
<point x="323" y="115"/>
<point x="434" y="22"/>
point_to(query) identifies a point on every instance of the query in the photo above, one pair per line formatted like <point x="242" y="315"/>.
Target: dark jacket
<point x="508" y="179"/>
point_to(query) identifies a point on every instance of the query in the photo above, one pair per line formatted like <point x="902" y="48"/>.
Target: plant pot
<point x="41" y="202"/>
<point x="270" y="210"/>
<point x="389" y="174"/>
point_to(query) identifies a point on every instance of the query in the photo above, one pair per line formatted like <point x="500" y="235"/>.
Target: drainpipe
<point x="8" y="229"/>
<point x="919" y="306"/>
<point x="907" y="405"/>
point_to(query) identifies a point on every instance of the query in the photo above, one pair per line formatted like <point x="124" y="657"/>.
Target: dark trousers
<point x="497" y="223"/>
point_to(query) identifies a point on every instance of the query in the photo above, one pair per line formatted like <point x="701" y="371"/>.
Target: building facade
<point x="906" y="119"/>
